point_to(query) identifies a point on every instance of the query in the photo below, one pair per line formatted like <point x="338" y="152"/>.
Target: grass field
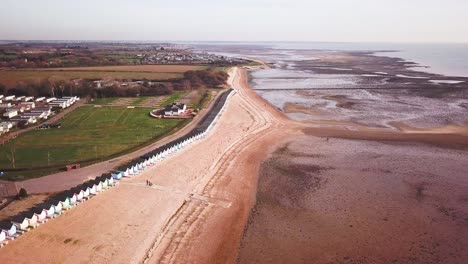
<point x="176" y="96"/>
<point x="87" y="133"/>
<point x="151" y="72"/>
<point x="103" y="101"/>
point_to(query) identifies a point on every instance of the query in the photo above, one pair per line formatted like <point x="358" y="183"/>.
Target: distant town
<point x="40" y="55"/>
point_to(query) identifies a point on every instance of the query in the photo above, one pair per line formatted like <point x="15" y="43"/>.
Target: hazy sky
<point x="237" y="20"/>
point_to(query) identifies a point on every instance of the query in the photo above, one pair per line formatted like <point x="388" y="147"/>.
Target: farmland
<point x="88" y="133"/>
<point x="10" y="78"/>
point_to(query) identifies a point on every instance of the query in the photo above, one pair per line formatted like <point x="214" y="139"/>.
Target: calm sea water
<point x="446" y="59"/>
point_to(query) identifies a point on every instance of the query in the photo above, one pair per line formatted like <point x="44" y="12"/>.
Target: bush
<point x="22" y="193"/>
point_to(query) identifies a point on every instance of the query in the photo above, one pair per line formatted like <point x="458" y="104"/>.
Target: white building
<point x="10" y="113"/>
<point x="175" y="109"/>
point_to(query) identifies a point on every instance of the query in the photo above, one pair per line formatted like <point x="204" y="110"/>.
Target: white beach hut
<point x="3" y="237"/>
<point x="9" y="228"/>
<point x="41" y="214"/>
<point x="50" y="210"/>
<point x="21" y="223"/>
<point x="31" y="217"/>
<point x="58" y="205"/>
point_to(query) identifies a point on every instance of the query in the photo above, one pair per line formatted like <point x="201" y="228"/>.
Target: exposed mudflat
<point x="351" y="201"/>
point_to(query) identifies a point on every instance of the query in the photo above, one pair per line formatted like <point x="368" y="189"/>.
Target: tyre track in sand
<point x="192" y="214"/>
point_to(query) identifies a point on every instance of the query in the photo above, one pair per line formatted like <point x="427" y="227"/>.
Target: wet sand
<point x="356" y="201"/>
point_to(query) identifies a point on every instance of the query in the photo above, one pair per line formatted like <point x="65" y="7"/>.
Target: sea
<point x="285" y="85"/>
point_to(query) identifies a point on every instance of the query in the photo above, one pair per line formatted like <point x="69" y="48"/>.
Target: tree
<point x="22" y="193"/>
<point x="2" y="88"/>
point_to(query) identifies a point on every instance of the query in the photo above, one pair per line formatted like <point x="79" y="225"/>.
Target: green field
<point x="103" y="101"/>
<point x="11" y="77"/>
<point x="174" y="97"/>
<point x="88" y="133"/>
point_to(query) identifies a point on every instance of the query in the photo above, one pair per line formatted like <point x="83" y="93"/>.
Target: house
<point x="28" y="98"/>
<point x="9" y="98"/>
<point x="37" y="115"/>
<point x="58" y="104"/>
<point x="6" y="105"/>
<point x="175" y="109"/>
<point x="20" y="109"/>
<point x="46" y="110"/>
<point x="27" y="119"/>
<point x="27" y="105"/>
<point x="9" y="228"/>
<point x="7" y="125"/>
<point x="20" y="98"/>
<point x="10" y="113"/>
<point x="48" y="100"/>
<point x="40" y="99"/>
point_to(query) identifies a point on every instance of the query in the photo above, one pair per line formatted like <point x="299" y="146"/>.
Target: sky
<point x="239" y="20"/>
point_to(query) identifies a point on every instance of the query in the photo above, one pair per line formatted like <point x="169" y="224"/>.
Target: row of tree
<point x="53" y="87"/>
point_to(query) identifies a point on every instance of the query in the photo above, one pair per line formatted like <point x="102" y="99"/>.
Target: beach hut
<point x="49" y="209"/>
<point x="9" y="228"/>
<point x="104" y="182"/>
<point x="65" y="200"/>
<point x="41" y="214"/>
<point x="3" y="237"/>
<point x="21" y="223"/>
<point x="72" y="198"/>
<point x="108" y="177"/>
<point x="141" y="166"/>
<point x="56" y="204"/>
<point x="92" y="188"/>
<point x="86" y="191"/>
<point x="79" y="194"/>
<point x="117" y="175"/>
<point x="135" y="170"/>
<point x="98" y="185"/>
<point x="32" y="218"/>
